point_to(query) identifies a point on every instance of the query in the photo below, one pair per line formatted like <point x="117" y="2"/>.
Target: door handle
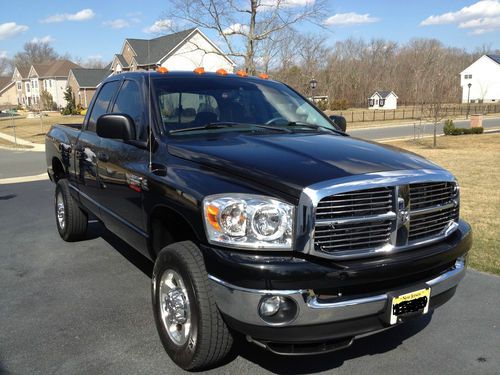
<point x="102" y="156"/>
<point x="159" y="169"/>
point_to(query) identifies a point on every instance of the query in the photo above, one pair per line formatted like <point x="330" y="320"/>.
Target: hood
<point x="290" y="162"/>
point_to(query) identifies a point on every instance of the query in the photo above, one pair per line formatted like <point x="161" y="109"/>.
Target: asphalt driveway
<point x="84" y="308"/>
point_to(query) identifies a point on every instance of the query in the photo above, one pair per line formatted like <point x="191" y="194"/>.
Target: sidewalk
<point x="37" y="147"/>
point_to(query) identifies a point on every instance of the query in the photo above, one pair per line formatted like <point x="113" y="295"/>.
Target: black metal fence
<point x="415" y="112"/>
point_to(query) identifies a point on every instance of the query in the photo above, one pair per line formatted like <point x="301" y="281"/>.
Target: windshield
<point x="191" y="102"/>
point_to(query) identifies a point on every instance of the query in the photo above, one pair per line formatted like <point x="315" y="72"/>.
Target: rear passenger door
<point x="122" y="169"/>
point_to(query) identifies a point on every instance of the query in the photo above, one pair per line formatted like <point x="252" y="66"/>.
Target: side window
<point x="129" y="102"/>
<point x="101" y="103"/>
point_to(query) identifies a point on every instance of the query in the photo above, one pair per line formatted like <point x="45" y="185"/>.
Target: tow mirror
<point x="340" y="121"/>
<point x="116" y="126"/>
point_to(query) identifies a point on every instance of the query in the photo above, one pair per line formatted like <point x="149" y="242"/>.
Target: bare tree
<point x="33" y="53"/>
<point x="243" y="24"/>
<point x="93" y="63"/>
<point x="5" y="65"/>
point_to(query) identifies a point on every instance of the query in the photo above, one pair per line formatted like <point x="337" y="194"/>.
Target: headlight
<point x="250" y="221"/>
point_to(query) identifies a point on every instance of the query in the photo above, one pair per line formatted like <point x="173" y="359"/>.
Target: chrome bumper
<point x="242" y="304"/>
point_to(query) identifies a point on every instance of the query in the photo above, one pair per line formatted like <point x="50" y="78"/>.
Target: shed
<point x="383" y="99"/>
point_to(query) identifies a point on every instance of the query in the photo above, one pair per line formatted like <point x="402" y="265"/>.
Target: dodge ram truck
<point x="263" y="218"/>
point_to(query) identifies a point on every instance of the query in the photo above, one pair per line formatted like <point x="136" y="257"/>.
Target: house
<point x="383" y="99"/>
<point x="483" y="76"/>
<point x="185" y="50"/>
<point x="8" y="93"/>
<point x="20" y="77"/>
<point x="51" y="76"/>
<point x="83" y="83"/>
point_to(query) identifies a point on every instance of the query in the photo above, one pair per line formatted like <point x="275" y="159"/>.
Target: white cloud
<point x="348" y="19"/>
<point x="10" y="29"/>
<point x="481" y="17"/>
<point x="82" y="15"/>
<point x="159" y="26"/>
<point x="3" y="54"/>
<point x="236" y="28"/>
<point x="45" y="39"/>
<point x="119" y="23"/>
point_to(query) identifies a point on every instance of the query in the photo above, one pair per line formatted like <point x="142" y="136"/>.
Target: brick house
<point x="83" y="83"/>
<point x="184" y="50"/>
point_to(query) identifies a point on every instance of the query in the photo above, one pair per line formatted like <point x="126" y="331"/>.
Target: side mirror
<point x="340" y="121"/>
<point x="116" y="126"/>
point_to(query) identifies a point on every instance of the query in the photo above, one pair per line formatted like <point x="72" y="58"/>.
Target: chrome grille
<point x="434" y="206"/>
<point x="432" y="194"/>
<point x="357" y="222"/>
<point x="353" y="236"/>
<point x="357" y="203"/>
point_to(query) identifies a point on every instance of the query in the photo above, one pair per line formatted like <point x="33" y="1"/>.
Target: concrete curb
<point x="18" y="180"/>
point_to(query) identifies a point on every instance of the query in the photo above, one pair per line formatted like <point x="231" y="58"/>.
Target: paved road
<point x="84" y="308"/>
<point x="406" y="131"/>
<point x="21" y="163"/>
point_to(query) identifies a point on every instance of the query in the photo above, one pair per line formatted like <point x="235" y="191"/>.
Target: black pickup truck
<point x="262" y="216"/>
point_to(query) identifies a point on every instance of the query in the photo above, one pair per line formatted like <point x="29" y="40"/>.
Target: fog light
<point x="278" y="310"/>
<point x="270" y="305"/>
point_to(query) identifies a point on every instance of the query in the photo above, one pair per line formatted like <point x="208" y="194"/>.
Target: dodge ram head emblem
<point x="403" y="213"/>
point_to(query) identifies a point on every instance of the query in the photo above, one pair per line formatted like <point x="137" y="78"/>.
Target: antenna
<point x="150" y="128"/>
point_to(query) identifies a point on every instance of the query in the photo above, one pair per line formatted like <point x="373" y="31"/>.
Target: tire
<point x="208" y="340"/>
<point x="71" y="220"/>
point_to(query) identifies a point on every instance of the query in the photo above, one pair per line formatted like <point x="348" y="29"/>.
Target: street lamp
<point x="313" y="83"/>
<point x="468" y="101"/>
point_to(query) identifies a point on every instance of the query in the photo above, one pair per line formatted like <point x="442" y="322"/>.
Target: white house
<point x="52" y="77"/>
<point x="185" y="50"/>
<point x="383" y="99"/>
<point x="483" y="76"/>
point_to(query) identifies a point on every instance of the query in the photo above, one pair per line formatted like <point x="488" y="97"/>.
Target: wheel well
<point x="58" y="169"/>
<point x="166" y="226"/>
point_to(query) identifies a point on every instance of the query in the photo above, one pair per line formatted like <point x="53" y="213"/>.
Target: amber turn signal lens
<point x="264" y="76"/>
<point x="212" y="213"/>
<point x="221" y="72"/>
<point x="199" y="70"/>
<point x="162" y="69"/>
<point x="242" y="73"/>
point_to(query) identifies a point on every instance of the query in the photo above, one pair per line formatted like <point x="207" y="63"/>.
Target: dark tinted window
<point x="129" y="102"/>
<point x="101" y="104"/>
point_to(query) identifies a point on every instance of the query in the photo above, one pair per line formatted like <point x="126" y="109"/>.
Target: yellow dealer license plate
<point x="409" y="304"/>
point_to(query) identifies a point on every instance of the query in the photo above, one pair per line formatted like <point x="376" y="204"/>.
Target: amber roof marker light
<point x="199" y="70"/>
<point x="241" y="73"/>
<point x="221" y="72"/>
<point x="264" y="76"/>
<point x="162" y="69"/>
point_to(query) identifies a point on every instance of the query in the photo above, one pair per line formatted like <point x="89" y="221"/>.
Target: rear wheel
<point x="71" y="220"/>
<point x="190" y="326"/>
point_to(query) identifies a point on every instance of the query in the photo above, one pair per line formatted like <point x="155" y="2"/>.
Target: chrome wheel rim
<point x="60" y="210"/>
<point x="174" y="306"/>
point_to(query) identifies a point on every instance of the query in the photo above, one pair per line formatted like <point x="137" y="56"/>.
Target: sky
<point x="97" y="28"/>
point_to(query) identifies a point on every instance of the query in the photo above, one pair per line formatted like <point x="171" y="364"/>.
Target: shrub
<point x="339" y="105"/>
<point x="322" y="105"/>
<point x="448" y="127"/>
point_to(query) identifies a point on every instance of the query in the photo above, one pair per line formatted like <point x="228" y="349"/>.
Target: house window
<point x="381" y="102"/>
<point x="371" y="102"/>
<point x="376" y="101"/>
<point x="468" y="76"/>
<point x="27" y="87"/>
<point x="50" y="83"/>
<point x="19" y="86"/>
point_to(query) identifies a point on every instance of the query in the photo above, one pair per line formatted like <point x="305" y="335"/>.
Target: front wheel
<point x="190" y="326"/>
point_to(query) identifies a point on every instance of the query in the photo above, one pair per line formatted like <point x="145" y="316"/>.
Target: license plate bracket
<point x="406" y="304"/>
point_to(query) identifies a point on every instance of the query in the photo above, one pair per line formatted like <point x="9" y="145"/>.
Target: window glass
<point x="101" y="103"/>
<point x="129" y="102"/>
<point x="191" y="102"/>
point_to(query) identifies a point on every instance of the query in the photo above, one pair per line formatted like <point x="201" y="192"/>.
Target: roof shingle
<point x="90" y="78"/>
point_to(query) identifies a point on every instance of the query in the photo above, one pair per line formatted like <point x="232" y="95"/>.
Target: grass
<point x="34" y="129"/>
<point x="475" y="161"/>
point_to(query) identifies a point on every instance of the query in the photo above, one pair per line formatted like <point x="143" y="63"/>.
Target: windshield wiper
<point x="227" y="124"/>
<point x="300" y="124"/>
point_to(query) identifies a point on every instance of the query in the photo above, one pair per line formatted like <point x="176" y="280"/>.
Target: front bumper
<point x="241" y="304"/>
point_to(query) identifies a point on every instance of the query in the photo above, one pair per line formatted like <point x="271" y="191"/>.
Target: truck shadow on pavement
<point x="370" y="345"/>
